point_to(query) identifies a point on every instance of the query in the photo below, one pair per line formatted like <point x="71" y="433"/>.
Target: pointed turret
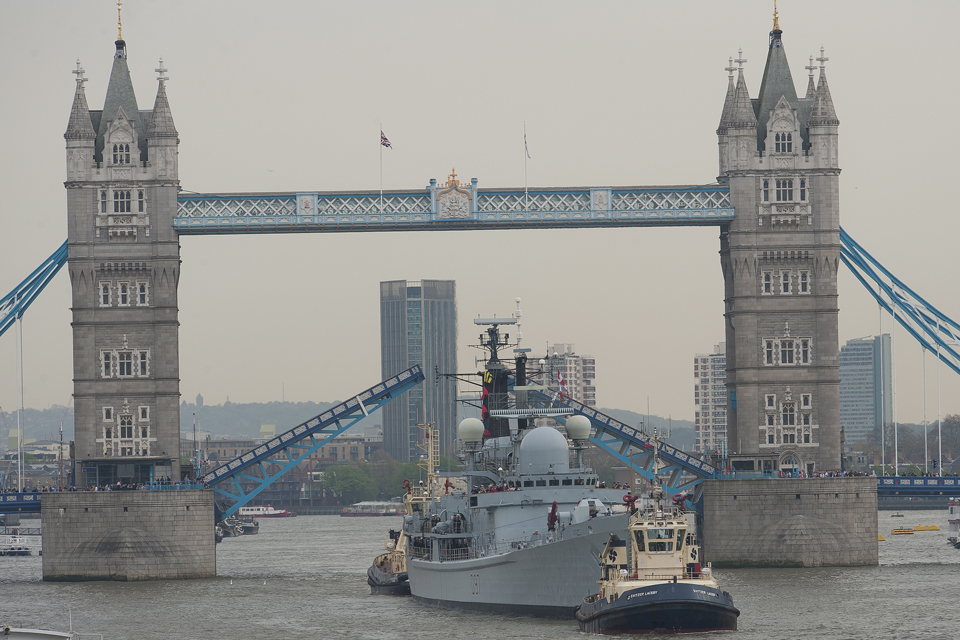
<point x="811" y="86"/>
<point x="161" y="122"/>
<point x="823" y="113"/>
<point x="742" y="115"/>
<point x="777" y="82"/>
<point x="161" y="132"/>
<point x="80" y="126"/>
<point x="728" y="100"/>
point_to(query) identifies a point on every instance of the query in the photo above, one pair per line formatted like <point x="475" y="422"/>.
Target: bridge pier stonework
<point x="124" y="264"/>
<point x="780" y="256"/>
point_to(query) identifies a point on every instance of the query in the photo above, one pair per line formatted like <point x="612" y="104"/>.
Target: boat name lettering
<point x="641" y="594"/>
<point x="706" y="593"/>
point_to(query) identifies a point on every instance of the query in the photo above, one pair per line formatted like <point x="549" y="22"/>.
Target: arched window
<point x="783" y="142"/>
<point x="121" y="202"/>
<point x="788" y="415"/>
<point x="785" y="190"/>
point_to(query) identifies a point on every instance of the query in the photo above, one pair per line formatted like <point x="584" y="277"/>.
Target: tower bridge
<point x="775" y="202"/>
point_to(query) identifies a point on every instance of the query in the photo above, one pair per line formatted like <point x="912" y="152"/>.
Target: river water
<point x="306" y="578"/>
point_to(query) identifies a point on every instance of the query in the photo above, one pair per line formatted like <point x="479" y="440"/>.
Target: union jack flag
<point x="384" y="141"/>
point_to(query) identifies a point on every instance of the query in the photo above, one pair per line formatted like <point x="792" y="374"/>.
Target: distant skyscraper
<point x="710" y="398"/>
<point x="864" y="402"/>
<point x="579" y="373"/>
<point x="418" y="325"/>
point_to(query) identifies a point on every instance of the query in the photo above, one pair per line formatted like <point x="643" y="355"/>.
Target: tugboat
<point x="388" y="573"/>
<point x="653" y="581"/>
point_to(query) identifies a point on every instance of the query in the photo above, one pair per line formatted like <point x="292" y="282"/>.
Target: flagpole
<point x="381" y="169"/>
<point x="526" y="197"/>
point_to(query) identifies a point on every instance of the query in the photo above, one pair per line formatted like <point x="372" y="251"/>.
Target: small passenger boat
<point x="264" y="511"/>
<point x="926" y="527"/>
<point x="371" y="509"/>
<point x="15" y="546"/>
<point x="902" y="531"/>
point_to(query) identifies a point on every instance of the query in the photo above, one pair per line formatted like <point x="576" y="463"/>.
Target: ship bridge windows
<point x="554" y="482"/>
<point x="638" y="534"/>
<point x="528" y="483"/>
<point x="567" y="482"/>
<point x="541" y="482"/>
<point x="578" y="481"/>
<point x="660" y="534"/>
<point x="660" y="539"/>
<point x="681" y="535"/>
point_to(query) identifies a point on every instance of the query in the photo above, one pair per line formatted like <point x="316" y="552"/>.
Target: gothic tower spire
<point x="777" y="81"/>
<point x="120" y="95"/>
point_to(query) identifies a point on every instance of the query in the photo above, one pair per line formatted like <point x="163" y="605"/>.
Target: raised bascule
<point x="775" y="201"/>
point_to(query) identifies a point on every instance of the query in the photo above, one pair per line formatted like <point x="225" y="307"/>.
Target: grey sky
<point x="289" y="96"/>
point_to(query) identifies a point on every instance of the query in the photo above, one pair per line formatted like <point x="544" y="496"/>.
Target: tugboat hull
<point x="661" y="608"/>
<point x="390" y="584"/>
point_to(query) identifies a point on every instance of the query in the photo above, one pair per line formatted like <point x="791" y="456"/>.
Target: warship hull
<point x="549" y="580"/>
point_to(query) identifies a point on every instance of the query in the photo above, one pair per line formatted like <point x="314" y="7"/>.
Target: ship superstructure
<point x="522" y="533"/>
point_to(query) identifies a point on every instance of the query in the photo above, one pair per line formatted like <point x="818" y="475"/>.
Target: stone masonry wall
<point x="128" y="535"/>
<point x="790" y="523"/>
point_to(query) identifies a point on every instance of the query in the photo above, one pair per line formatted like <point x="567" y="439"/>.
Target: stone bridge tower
<point x="124" y="264"/>
<point x="778" y="153"/>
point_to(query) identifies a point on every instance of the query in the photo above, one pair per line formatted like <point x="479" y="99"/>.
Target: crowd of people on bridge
<point x="154" y="485"/>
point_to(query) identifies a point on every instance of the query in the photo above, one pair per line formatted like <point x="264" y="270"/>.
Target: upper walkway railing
<point x="452" y="206"/>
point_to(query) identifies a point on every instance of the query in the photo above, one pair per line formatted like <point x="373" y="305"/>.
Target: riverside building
<point x="579" y="373"/>
<point x="418" y="325"/>
<point x="710" y="399"/>
<point x="866" y="393"/>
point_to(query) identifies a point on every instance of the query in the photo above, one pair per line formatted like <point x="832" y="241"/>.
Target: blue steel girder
<point x="297" y="444"/>
<point x="928" y="325"/>
<point x="15" y="303"/>
<point x="26" y="502"/>
<point x="453" y="206"/>
<point x="918" y="486"/>
<point x="636" y="449"/>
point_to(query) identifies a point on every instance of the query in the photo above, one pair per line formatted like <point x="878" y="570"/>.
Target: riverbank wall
<point x="128" y="535"/>
<point x="806" y="522"/>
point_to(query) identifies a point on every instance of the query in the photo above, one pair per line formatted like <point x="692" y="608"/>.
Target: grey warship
<point x="521" y="529"/>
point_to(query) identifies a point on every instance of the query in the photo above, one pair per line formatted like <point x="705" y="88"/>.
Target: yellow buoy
<point x="900" y="532"/>
<point x="880" y="538"/>
<point x="926" y="527"/>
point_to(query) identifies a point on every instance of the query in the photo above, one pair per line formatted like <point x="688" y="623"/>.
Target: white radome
<point x="578" y="427"/>
<point x="470" y="430"/>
